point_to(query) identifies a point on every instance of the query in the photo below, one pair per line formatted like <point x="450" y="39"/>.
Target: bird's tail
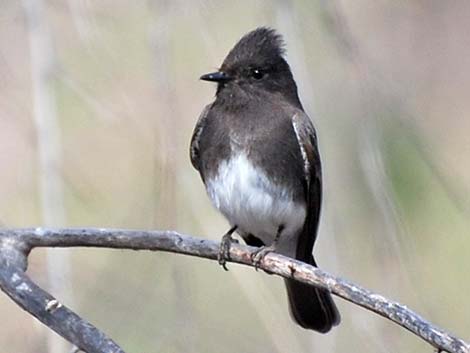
<point x="312" y="308"/>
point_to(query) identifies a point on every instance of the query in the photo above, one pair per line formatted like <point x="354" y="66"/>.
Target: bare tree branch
<point x="15" y="245"/>
<point x="21" y="289"/>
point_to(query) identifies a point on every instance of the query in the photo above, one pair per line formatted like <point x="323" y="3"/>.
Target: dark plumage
<point x="256" y="151"/>
<point x="260" y="47"/>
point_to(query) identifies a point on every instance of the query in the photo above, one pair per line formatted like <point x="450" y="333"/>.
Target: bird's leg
<point x="258" y="255"/>
<point x="224" y="250"/>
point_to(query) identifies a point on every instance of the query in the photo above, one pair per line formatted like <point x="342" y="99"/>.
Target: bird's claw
<point x="258" y="255"/>
<point x="224" y="249"/>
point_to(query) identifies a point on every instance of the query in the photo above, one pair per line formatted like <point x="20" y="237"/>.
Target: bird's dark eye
<point x="257" y="74"/>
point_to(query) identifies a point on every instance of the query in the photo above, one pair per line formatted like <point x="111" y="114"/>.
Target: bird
<point x="256" y="151"/>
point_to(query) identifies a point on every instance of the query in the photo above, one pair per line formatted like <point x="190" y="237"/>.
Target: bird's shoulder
<point x="195" y="139"/>
<point x="308" y="144"/>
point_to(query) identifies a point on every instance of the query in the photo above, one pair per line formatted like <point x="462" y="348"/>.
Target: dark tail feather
<point x="312" y="308"/>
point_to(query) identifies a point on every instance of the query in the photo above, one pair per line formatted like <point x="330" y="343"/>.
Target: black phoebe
<point x="256" y="151"/>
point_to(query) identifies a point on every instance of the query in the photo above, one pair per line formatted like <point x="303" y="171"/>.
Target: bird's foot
<point x="258" y="255"/>
<point x="224" y="249"/>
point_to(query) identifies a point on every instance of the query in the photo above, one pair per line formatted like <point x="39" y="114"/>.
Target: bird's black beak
<point x="218" y="76"/>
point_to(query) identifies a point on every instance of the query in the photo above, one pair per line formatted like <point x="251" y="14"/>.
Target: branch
<point x="29" y="296"/>
<point x="19" y="287"/>
<point x="15" y="245"/>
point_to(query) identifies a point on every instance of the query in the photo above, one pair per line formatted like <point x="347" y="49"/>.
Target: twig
<point x="21" y="289"/>
<point x="15" y="245"/>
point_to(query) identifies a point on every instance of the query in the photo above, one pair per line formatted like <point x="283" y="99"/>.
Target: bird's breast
<point x="245" y="195"/>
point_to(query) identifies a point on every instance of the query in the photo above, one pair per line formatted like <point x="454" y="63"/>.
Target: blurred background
<point x="98" y="100"/>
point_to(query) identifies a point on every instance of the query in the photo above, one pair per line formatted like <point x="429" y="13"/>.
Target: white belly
<point x="247" y="198"/>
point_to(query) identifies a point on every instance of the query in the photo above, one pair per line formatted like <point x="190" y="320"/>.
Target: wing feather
<point x="194" y="147"/>
<point x="307" y="139"/>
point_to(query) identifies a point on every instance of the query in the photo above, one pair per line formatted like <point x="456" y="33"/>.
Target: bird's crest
<point x="262" y="44"/>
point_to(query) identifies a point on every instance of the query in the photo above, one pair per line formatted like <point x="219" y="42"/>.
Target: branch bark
<point x="15" y="245"/>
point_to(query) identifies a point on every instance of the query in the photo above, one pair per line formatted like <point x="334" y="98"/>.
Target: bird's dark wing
<point x="194" y="147"/>
<point x="307" y="140"/>
<point x="311" y="307"/>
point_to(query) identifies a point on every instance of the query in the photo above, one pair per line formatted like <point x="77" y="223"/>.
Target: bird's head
<point x="256" y="64"/>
